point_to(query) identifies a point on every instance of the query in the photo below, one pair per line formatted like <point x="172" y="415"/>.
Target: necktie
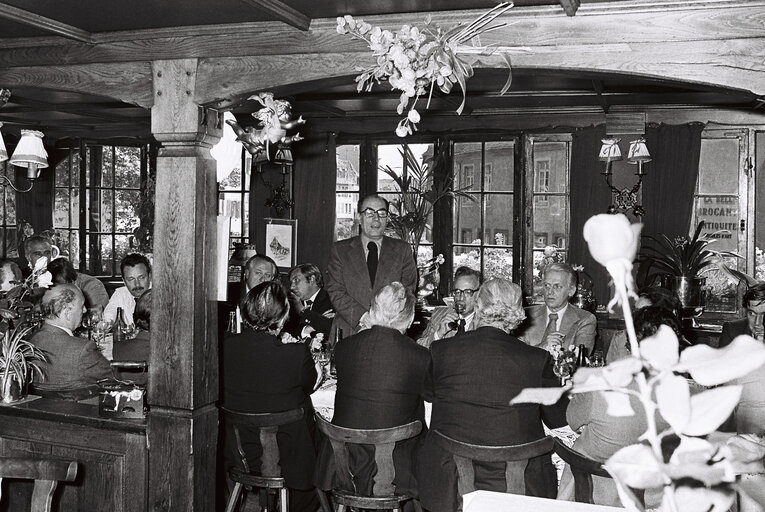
<point x="308" y="304"/>
<point x="551" y="326"/>
<point x="372" y="261"/>
<point x="460" y="326"/>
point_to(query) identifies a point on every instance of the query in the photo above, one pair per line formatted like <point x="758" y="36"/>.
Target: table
<point x="490" y="501"/>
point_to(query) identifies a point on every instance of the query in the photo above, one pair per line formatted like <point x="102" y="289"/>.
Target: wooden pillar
<point x="183" y="418"/>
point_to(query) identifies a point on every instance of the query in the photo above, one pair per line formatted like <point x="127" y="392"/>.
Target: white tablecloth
<point x="489" y="501"/>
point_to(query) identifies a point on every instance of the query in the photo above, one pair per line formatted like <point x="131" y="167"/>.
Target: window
<point x="346" y="190"/>
<point x="234" y="201"/>
<point x="97" y="205"/>
<point x="491" y="255"/>
<point x="8" y="230"/>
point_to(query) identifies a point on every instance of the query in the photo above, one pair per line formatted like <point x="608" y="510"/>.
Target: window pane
<point x="499" y="219"/>
<point x="107" y="201"/>
<point x="75" y="170"/>
<point x="75" y="198"/>
<point x="759" y="202"/>
<point x="389" y="158"/>
<point x="122" y="248"/>
<point x="551" y="167"/>
<point x="499" y="166"/>
<point x="107" y="170"/>
<point x="61" y="209"/>
<point x="10" y="207"/>
<point x="720" y="293"/>
<point x="127" y="171"/>
<point x="424" y="254"/>
<point x="89" y="159"/>
<point x="498" y="263"/>
<point x="74" y="249"/>
<point x="233" y="181"/>
<point x="550" y="221"/>
<point x="107" y="255"/>
<point x="467" y="221"/>
<point x="718" y="166"/>
<point x="467" y="257"/>
<point x="62" y="173"/>
<point x="467" y="166"/>
<point x="127" y="210"/>
<point x="345" y="208"/>
<point x="721" y="216"/>
<point x="246" y="220"/>
<point x="347" y="157"/>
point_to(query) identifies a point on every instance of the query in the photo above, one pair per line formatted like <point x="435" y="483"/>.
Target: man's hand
<point x="444" y="328"/>
<point x="553" y="339"/>
<point x="295" y="303"/>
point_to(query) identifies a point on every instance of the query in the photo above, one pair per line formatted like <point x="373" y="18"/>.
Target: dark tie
<point x="308" y="304"/>
<point x="372" y="261"/>
<point x="551" y="326"/>
<point x="460" y="326"/>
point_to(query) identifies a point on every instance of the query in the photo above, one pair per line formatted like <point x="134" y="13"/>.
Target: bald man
<point x="74" y="364"/>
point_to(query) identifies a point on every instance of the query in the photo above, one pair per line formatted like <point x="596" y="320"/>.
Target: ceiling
<point x="64" y="115"/>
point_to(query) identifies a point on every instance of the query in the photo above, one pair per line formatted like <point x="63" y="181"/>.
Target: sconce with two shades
<point x="29" y="153"/>
<point x="625" y="199"/>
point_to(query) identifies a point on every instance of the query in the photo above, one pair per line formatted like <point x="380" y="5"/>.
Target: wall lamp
<point x="625" y="199"/>
<point x="29" y="153"/>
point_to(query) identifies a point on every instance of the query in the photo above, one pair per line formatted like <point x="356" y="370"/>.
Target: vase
<point x="12" y="391"/>
<point x="690" y="291"/>
<point x="584" y="300"/>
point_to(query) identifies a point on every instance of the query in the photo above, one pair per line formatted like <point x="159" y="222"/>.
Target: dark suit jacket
<point x="263" y="375"/>
<point x="73" y="363"/>
<point x="319" y="316"/>
<point x="348" y="281"/>
<point x="577" y="325"/>
<point x="380" y="381"/>
<point x="731" y="330"/>
<point x="472" y="380"/>
<point x="137" y="349"/>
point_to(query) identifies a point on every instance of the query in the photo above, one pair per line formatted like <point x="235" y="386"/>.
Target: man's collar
<point x="68" y="331"/>
<point x="312" y="298"/>
<point x="365" y="241"/>
<point x="560" y="312"/>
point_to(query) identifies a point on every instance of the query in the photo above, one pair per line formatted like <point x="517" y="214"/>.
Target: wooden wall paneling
<point x="182" y="422"/>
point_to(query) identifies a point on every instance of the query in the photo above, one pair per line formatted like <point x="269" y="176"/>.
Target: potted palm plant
<point x="19" y="361"/>
<point x="678" y="265"/>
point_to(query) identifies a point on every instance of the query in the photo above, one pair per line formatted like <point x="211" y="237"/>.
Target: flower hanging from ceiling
<point x="415" y="61"/>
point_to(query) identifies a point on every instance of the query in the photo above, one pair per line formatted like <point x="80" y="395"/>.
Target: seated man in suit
<point x="444" y="321"/>
<point x="752" y="325"/>
<point x="74" y="364"/>
<point x="96" y="298"/>
<point x="136" y="274"/>
<point x="311" y="310"/>
<point x="556" y="322"/>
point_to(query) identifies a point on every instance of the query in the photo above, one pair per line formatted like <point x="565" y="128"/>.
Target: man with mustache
<point x="136" y="274"/>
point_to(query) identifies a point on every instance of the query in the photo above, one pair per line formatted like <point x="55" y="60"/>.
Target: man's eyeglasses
<point x="369" y="213"/>
<point x="467" y="293"/>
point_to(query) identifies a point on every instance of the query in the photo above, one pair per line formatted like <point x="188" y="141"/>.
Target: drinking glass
<point x="562" y="369"/>
<point x="597" y="360"/>
<point x="100" y="328"/>
<point x="129" y="330"/>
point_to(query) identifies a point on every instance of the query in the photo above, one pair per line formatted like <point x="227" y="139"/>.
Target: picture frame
<point x="281" y="242"/>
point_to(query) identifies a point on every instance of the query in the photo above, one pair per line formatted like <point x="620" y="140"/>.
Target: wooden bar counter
<point x="112" y="455"/>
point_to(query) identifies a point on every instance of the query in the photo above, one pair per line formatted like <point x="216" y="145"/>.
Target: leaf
<point x="674" y="399"/>
<point x="544" y="396"/>
<point x="709" y="409"/>
<point x="695" y="499"/>
<point x="509" y="80"/>
<point x="618" y="404"/>
<point x="627" y="497"/>
<point x="694" y="458"/>
<point x="709" y="366"/>
<point x="636" y="466"/>
<point x="620" y="373"/>
<point x="662" y="349"/>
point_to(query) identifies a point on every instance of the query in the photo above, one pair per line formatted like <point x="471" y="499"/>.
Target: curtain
<point x="589" y="196"/>
<point x="671" y="178"/>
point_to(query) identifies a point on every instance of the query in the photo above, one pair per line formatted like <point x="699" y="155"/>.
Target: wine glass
<point x="597" y="360"/>
<point x="87" y="323"/>
<point x="562" y="369"/>
<point x="100" y="327"/>
<point x="129" y="330"/>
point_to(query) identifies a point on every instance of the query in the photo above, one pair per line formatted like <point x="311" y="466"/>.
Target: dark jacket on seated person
<point x="732" y="329"/>
<point x="472" y="380"/>
<point x="380" y="382"/>
<point x="136" y="349"/>
<point x="74" y="364"/>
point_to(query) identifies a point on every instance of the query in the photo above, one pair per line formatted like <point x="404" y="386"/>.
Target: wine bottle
<point x="232" y="323"/>
<point x="581" y="358"/>
<point x="118" y="332"/>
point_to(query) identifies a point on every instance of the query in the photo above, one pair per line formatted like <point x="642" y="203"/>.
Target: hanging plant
<point x="415" y="61"/>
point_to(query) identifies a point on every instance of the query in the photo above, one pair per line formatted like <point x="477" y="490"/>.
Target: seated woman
<point x="380" y="381"/>
<point x="649" y="296"/>
<point x="261" y="374"/>
<point x="138" y="348"/>
<point x="603" y="435"/>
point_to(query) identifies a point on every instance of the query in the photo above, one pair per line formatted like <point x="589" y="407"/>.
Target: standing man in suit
<point x="311" y="305"/>
<point x="472" y="379"/>
<point x="74" y="364"/>
<point x="556" y="322"/>
<point x="360" y="266"/>
<point x="445" y="322"/>
<point x="752" y="325"/>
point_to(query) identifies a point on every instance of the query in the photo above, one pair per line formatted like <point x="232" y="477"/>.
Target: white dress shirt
<point x="121" y="298"/>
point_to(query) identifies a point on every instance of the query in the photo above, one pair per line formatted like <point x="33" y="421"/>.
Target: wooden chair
<point x="384" y="441"/>
<point x="269" y="479"/>
<point x="45" y="473"/>
<point x="583" y="468"/>
<point x="516" y="458"/>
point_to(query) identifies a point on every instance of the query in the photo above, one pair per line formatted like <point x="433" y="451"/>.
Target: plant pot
<point x="584" y="300"/>
<point x="12" y="391"/>
<point x="690" y="291"/>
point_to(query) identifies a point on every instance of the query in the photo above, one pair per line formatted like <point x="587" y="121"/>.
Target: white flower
<point x="413" y="116"/>
<point x="45" y="280"/>
<point x="611" y="237"/>
<point x="41" y="264"/>
<point x="402" y="131"/>
<point x="550" y="251"/>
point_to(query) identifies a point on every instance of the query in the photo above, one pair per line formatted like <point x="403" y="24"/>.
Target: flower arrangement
<point x="415" y="61"/>
<point x="699" y="474"/>
<point x="15" y="302"/>
<point x="430" y="277"/>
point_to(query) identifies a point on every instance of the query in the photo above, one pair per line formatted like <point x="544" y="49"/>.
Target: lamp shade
<point x="638" y="152"/>
<point x="30" y="153"/>
<point x="610" y="151"/>
<point x="3" y="151"/>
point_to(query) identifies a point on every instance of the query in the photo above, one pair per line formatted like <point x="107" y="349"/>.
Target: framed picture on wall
<point x="281" y="242"/>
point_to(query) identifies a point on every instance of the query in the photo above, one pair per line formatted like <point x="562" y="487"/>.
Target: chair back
<point x="516" y="458"/>
<point x="384" y="441"/>
<point x="582" y="468"/>
<point x="268" y="424"/>
<point x="45" y="473"/>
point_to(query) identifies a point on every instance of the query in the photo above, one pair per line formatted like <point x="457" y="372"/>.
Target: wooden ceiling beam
<point x="283" y="12"/>
<point x="597" y="86"/>
<point x="327" y="107"/>
<point x="569" y="6"/>
<point x="27" y="103"/>
<point x="49" y="25"/>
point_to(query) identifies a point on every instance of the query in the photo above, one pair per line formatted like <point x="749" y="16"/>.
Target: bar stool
<point x="384" y="441"/>
<point x="269" y="480"/>
<point x="45" y="473"/>
<point x="516" y="458"/>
